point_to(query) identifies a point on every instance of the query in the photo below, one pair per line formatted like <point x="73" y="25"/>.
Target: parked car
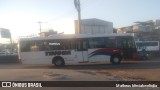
<point x="3" y="53"/>
<point x="7" y="53"/>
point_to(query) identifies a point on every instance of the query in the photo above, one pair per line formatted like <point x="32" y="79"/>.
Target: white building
<point x="147" y="26"/>
<point x="156" y="23"/>
<point x="94" y="26"/>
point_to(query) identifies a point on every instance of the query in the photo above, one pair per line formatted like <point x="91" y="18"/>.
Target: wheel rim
<point x="58" y="62"/>
<point x="116" y="60"/>
<point x="144" y="58"/>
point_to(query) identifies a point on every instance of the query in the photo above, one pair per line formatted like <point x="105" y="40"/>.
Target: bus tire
<point x="58" y="61"/>
<point x="144" y="57"/>
<point x="115" y="59"/>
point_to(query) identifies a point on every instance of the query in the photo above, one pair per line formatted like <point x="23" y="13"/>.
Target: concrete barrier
<point x="9" y="59"/>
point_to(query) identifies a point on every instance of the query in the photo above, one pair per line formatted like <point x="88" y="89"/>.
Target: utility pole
<point x="40" y="26"/>
<point x="79" y="17"/>
<point x="78" y="7"/>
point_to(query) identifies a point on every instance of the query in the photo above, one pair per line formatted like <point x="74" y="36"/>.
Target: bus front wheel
<point x="115" y="59"/>
<point x="58" y="61"/>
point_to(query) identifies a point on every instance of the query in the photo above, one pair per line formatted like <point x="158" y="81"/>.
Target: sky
<point x="21" y="17"/>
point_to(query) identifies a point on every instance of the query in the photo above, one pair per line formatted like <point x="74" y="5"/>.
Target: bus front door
<point x="82" y="51"/>
<point x="129" y="49"/>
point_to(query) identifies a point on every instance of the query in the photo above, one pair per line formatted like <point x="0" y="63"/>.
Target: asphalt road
<point x="131" y="70"/>
<point x="127" y="71"/>
<point x="140" y="64"/>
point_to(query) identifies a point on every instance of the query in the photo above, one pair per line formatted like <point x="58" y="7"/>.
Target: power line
<point x="71" y="13"/>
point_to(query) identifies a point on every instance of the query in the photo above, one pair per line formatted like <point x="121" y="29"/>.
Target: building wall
<point x="125" y="30"/>
<point x="94" y="26"/>
<point x="157" y="24"/>
<point x="146" y="26"/>
<point x="148" y="30"/>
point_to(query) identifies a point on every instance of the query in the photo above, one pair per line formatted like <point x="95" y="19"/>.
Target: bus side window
<point x="85" y="45"/>
<point x="97" y="43"/>
<point x="78" y="45"/>
<point x="110" y="43"/>
<point x="131" y="43"/>
<point x="25" y="46"/>
<point x="73" y="44"/>
<point x="34" y="47"/>
<point x="81" y="45"/>
<point x="91" y="44"/>
<point x="119" y="43"/>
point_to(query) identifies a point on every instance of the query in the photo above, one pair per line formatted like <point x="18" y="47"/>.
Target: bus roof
<point x="70" y="36"/>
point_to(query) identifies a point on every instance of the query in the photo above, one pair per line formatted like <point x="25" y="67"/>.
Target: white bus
<point x="70" y="49"/>
<point x="149" y="46"/>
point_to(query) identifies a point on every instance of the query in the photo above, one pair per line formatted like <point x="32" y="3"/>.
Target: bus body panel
<point x="75" y="57"/>
<point x="98" y="55"/>
<point x="80" y="52"/>
<point x="42" y="58"/>
<point x="81" y="56"/>
<point x="35" y="58"/>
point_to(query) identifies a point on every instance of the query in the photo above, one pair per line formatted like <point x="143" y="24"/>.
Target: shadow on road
<point x="125" y="65"/>
<point x="103" y="66"/>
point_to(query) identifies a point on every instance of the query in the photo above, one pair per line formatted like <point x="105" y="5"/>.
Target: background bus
<point x="150" y="46"/>
<point x="63" y="49"/>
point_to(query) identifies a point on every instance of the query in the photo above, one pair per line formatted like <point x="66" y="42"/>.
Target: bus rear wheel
<point x="59" y="62"/>
<point x="115" y="59"/>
